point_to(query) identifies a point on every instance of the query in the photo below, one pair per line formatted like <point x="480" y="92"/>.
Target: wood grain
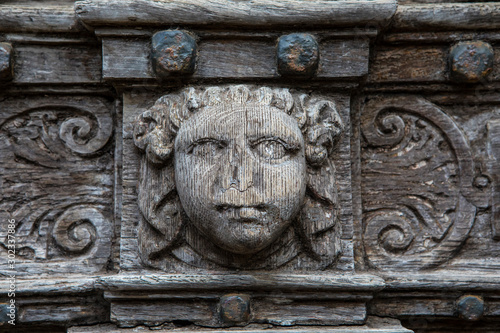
<point x="68" y="229"/>
<point x="447" y="16"/>
<point x="255" y="13"/>
<point x="60" y="64"/>
<point x="129" y="58"/>
<point x="262" y="281"/>
<point x="27" y="18"/>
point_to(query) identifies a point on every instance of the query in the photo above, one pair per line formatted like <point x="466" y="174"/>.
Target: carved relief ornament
<point x="238" y="177"/>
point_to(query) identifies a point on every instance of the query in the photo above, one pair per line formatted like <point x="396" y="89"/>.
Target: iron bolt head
<point x="470" y="61"/>
<point x="173" y="52"/>
<point x="235" y="308"/>
<point x="470" y="307"/>
<point x="298" y="55"/>
<point x="6" y="62"/>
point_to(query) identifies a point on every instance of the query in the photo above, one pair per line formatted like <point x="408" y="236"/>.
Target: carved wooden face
<point x="240" y="173"/>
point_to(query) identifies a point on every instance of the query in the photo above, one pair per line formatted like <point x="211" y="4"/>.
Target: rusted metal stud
<point x="8" y="312"/>
<point x="470" y="62"/>
<point x="470" y="307"/>
<point x="6" y="62"/>
<point x="235" y="308"/>
<point x="298" y="55"/>
<point x="173" y="52"/>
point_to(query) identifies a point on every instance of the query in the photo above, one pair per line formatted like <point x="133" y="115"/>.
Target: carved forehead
<point x="233" y="119"/>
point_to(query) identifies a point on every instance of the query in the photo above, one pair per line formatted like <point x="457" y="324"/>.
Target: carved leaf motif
<point x="77" y="230"/>
<point x="161" y="209"/>
<point x="416" y="176"/>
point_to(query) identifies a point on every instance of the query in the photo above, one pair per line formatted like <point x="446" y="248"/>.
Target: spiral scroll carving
<point x="396" y="236"/>
<point x="53" y="134"/>
<point x="77" y="133"/>
<point x="74" y="231"/>
<point x="419" y="202"/>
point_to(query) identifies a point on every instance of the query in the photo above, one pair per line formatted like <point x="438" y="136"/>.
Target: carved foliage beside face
<point x="241" y="167"/>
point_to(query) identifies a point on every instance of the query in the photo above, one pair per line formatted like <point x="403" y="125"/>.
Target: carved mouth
<point x="243" y="214"/>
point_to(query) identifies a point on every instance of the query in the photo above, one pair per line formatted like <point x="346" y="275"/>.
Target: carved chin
<point x="246" y="238"/>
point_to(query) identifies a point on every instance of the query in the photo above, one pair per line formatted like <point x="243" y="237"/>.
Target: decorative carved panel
<point x="57" y="183"/>
<point x="209" y="166"/>
<point x="418" y="184"/>
<point x="269" y="160"/>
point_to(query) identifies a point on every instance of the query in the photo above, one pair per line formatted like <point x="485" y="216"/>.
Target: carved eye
<point x="206" y="147"/>
<point x="272" y="150"/>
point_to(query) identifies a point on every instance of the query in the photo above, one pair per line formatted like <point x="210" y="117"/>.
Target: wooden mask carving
<point x="238" y="177"/>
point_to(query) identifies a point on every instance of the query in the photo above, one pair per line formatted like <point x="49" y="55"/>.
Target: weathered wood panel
<point x="57" y="64"/>
<point x="57" y="183"/>
<point x="260" y="281"/>
<point x="16" y="17"/>
<point x="62" y="310"/>
<point x="129" y="58"/>
<point x="374" y="325"/>
<point x="126" y="58"/>
<point x="428" y="63"/>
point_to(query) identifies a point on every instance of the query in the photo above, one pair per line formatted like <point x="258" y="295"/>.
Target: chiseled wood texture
<point x="373" y="325"/>
<point x="55" y="17"/>
<point x="447" y="16"/>
<point x="260" y="280"/>
<point x="464" y="161"/>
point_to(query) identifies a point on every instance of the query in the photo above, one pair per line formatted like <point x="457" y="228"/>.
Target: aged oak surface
<point x="301" y="166"/>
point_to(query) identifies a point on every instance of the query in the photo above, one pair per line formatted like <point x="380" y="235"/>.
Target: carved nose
<point x="241" y="171"/>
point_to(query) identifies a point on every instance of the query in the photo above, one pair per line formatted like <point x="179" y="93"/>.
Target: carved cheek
<point x="285" y="185"/>
<point x="199" y="178"/>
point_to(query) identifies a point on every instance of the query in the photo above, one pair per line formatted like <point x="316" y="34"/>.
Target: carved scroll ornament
<point x="419" y="202"/>
<point x="55" y="184"/>
<point x="238" y="177"/>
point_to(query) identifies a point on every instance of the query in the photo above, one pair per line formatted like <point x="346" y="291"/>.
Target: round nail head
<point x="235" y="308"/>
<point x="298" y="55"/>
<point x="470" y="62"/>
<point x="470" y="307"/>
<point x="6" y="62"/>
<point x="173" y="52"/>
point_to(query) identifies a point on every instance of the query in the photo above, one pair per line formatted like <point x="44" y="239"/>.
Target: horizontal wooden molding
<point x="449" y="16"/>
<point x="259" y="13"/>
<point x="39" y="19"/>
